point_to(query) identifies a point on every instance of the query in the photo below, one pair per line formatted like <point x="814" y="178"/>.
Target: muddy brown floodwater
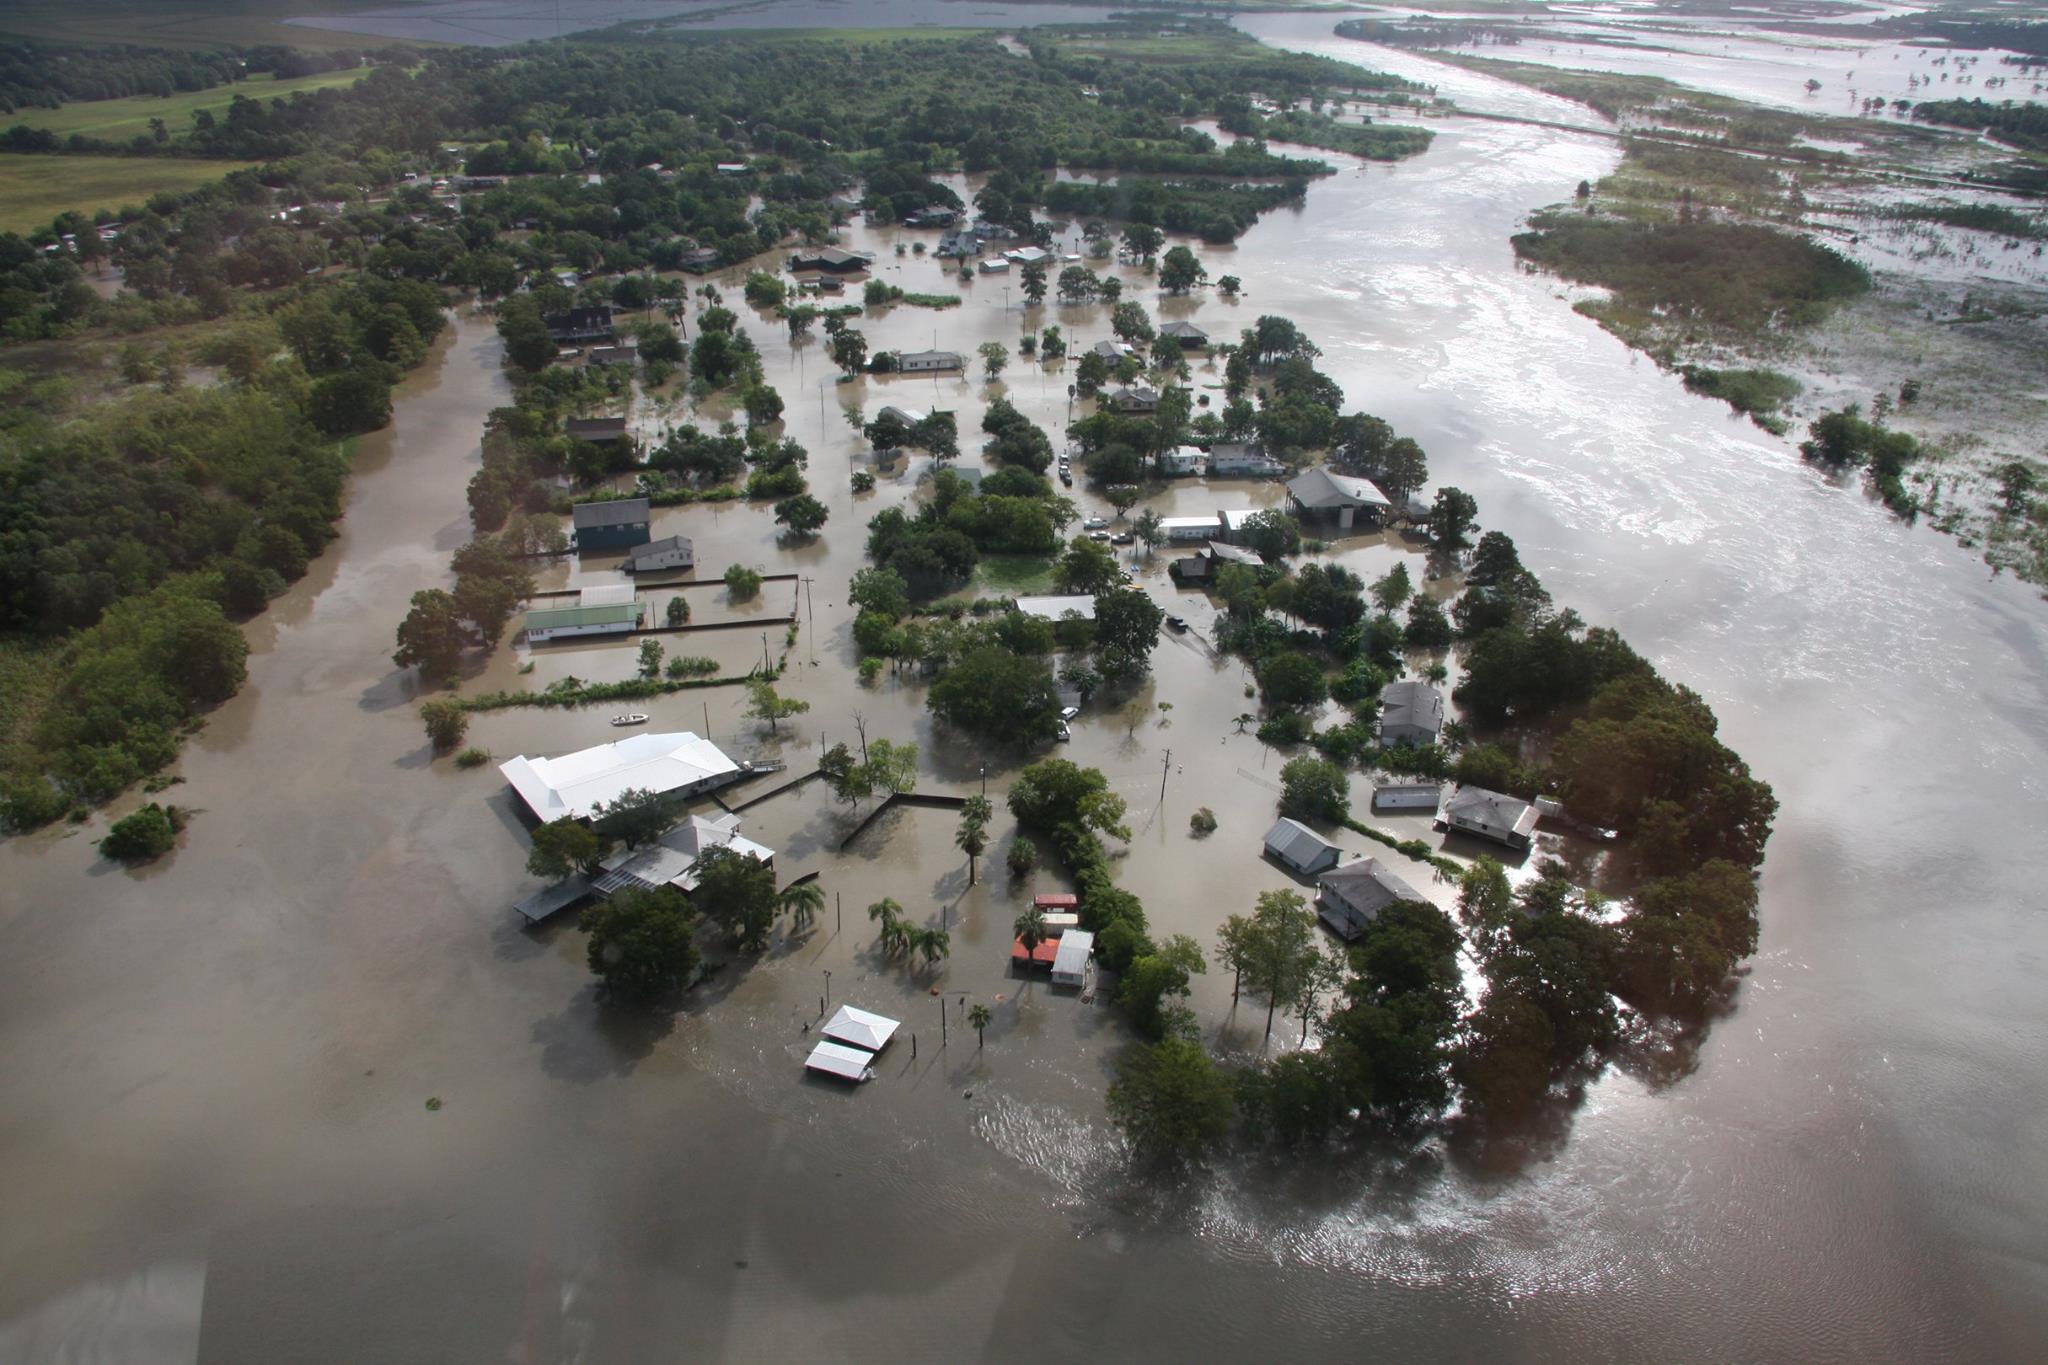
<point x="216" y="1141"/>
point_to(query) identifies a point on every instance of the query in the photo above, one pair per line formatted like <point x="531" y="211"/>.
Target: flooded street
<point x="217" y="1144"/>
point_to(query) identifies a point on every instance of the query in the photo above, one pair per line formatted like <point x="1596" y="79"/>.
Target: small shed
<point x="1411" y="712"/>
<point x="1294" y="845"/>
<point x="1070" y="964"/>
<point x="1056" y="902"/>
<point x="670" y="552"/>
<point x="847" y="1063"/>
<point x="614" y="524"/>
<point x="1407" y="796"/>
<point x="858" y="1028"/>
<point x="596" y="430"/>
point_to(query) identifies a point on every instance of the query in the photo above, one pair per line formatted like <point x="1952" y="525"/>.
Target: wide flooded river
<point x="216" y="1141"/>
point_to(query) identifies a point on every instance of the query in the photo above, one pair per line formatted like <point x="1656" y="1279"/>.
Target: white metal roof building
<point x="1056" y="608"/>
<point x="1177" y="529"/>
<point x="1490" y="815"/>
<point x="678" y="763"/>
<point x="858" y="1028"/>
<point x="1070" y="964"/>
<point x="847" y="1063"/>
<point x="672" y="859"/>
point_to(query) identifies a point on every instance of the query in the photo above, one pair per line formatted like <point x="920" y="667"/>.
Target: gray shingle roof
<point x="1412" y="702"/>
<point x="1368" y="886"/>
<point x="1319" y="488"/>
<point x="614" y="512"/>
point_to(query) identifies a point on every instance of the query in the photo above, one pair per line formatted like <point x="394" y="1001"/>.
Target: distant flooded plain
<point x="217" y="1144"/>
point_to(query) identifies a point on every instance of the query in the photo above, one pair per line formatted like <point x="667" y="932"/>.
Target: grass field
<point x="122" y="119"/>
<point x="183" y="23"/>
<point x="35" y="189"/>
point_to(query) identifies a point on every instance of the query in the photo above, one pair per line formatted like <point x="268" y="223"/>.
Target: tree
<point x="1023" y="856"/>
<point x="1450" y="517"/>
<point x="979" y="1018"/>
<point x="1486" y="905"/>
<point x="1127" y="625"/>
<point x="431" y="637"/>
<point x="742" y="582"/>
<point x="1122" y="496"/>
<point x="1272" y="534"/>
<point x="1129" y="322"/>
<point x="1392" y="588"/>
<point x="1503" y="1069"/>
<point x="1180" y="271"/>
<point x="994" y="356"/>
<point x="1147" y="529"/>
<point x="931" y="943"/>
<point x="881" y="591"/>
<point x="1170" y="1101"/>
<point x="2016" y="484"/>
<point x="350" y="402"/>
<point x="1034" y="283"/>
<point x="1077" y="284"/>
<point x="1029" y="928"/>
<point x="641" y="947"/>
<point x="1142" y="241"/>
<point x="1315" y="789"/>
<point x="1153" y="977"/>
<point x="1274" y="951"/>
<point x="650" y="658"/>
<point x="849" y="351"/>
<point x="972" y="836"/>
<point x="563" y="846"/>
<point x="1291" y="680"/>
<point x="1230" y="286"/>
<point x="635" y="817"/>
<point x="802" y="514"/>
<point x="147" y="833"/>
<point x="1009" y="698"/>
<point x="446" y="724"/>
<point x="1403" y="469"/>
<point x="891" y="767"/>
<point x="737" y="891"/>
<point x="1088" y="566"/>
<point x="678" y="611"/>
<point x="803" y="902"/>
<point x="764" y="703"/>
<point x="1051" y="344"/>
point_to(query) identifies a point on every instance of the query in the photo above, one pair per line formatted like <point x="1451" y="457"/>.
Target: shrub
<point x="472" y="758"/>
<point x="148" y="833"/>
<point x="1203" y="821"/>
<point x="1023" y="856"/>
<point x="742" y="582"/>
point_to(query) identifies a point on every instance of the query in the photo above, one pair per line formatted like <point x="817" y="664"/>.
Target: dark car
<point x="1176" y="622"/>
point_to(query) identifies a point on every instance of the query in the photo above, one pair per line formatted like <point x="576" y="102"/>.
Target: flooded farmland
<point x="217" y="1141"/>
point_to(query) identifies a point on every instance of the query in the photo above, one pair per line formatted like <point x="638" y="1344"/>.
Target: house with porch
<point x="1344" y="499"/>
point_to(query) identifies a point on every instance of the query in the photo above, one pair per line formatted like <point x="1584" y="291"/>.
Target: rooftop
<point x="1319" y="488"/>
<point x="1368" y="885"/>
<point x="1056" y="607"/>
<point x="611" y="512"/>
<point x="575" y="784"/>
<point x="595" y="614"/>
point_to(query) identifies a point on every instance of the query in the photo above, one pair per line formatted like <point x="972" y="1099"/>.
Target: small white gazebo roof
<point x="859" y="1028"/>
<point x="850" y="1063"/>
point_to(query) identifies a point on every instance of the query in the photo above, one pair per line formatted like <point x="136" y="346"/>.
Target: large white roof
<point x="574" y="784"/>
<point x="860" y="1028"/>
<point x="672" y="859"/>
<point x="1054" y="608"/>
<point x="832" y="1059"/>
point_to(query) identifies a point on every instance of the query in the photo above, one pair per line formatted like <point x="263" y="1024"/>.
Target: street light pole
<point x="828" y="985"/>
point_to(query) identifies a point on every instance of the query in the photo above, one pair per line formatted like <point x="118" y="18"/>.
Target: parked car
<point x="1102" y="536"/>
<point x="1122" y="538"/>
<point x="1066" y="476"/>
<point x="1176" y="622"/>
<point x="1094" y="523"/>
<point x="1067" y="713"/>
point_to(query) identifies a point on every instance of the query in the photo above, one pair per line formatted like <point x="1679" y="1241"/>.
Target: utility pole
<point x="838" y="913"/>
<point x="764" y="653"/>
<point x="707" y="720"/>
<point x="1164" y="768"/>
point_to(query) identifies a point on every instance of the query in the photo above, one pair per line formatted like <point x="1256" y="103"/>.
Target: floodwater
<point x="493" y="23"/>
<point x="217" y="1144"/>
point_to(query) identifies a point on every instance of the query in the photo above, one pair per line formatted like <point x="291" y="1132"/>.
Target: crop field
<point x="122" y="119"/>
<point x="35" y="189"/>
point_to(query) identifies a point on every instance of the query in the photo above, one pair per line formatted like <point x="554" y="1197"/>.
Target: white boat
<point x="631" y="718"/>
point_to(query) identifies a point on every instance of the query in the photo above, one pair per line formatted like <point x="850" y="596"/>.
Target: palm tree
<point x="972" y="836"/>
<point x="803" y="902"/>
<point x="931" y="945"/>
<point x="1242" y="719"/>
<point x="1030" y="927"/>
<point x="979" y="1018"/>
<point x="889" y="915"/>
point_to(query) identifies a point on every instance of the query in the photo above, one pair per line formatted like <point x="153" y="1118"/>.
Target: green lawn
<point x="35" y="189"/>
<point x="122" y="119"/>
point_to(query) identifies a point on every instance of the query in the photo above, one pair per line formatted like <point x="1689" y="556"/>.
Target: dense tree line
<point x="2020" y="124"/>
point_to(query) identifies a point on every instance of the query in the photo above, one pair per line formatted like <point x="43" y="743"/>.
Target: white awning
<point x="848" y="1063"/>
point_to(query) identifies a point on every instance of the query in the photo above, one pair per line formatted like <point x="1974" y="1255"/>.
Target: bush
<point x="1023" y="856"/>
<point x="1203" y="821"/>
<point x="472" y="758"/>
<point x="742" y="582"/>
<point x="148" y="833"/>
<point x="446" y="724"/>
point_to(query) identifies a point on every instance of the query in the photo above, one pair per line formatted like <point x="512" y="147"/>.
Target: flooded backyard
<point x="217" y="1069"/>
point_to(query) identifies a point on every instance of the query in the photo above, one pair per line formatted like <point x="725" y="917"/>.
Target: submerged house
<point x="677" y="763"/>
<point x="927" y="362"/>
<point x="585" y="618"/>
<point x="615" y="524"/>
<point x="599" y="431"/>
<point x="1504" y="819"/>
<point x="578" y="325"/>
<point x="1411" y="712"/>
<point x="1349" y="897"/>
<point x="1141" y="399"/>
<point x="670" y="552"/>
<point x="1240" y="459"/>
<point x="1201" y="566"/>
<point x="1187" y="334"/>
<point x="1294" y="845"/>
<point x="1342" y="498"/>
<point x="830" y="260"/>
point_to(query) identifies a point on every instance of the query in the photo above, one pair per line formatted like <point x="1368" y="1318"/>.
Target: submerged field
<point x="180" y="23"/>
<point x="35" y="189"/>
<point x="122" y="119"/>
